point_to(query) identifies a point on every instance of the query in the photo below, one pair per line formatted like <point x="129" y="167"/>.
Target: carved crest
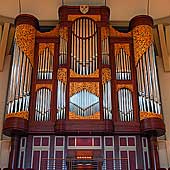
<point x="84" y="9"/>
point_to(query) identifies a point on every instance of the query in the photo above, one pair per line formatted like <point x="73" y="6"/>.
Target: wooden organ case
<point x="83" y="93"/>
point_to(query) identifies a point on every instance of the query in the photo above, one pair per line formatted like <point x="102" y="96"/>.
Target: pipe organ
<point x="81" y="90"/>
<point x="84" y="54"/>
<point x="45" y="61"/>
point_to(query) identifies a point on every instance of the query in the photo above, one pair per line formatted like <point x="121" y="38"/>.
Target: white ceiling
<point x="121" y="10"/>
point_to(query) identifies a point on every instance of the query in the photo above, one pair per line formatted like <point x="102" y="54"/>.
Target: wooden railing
<point x="81" y="164"/>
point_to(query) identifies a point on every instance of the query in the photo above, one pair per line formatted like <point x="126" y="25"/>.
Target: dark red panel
<point x="84" y="141"/>
<point x="21" y="159"/>
<point x="144" y="142"/>
<point x="59" y="142"/>
<point x="109" y="141"/>
<point x="45" y="141"/>
<point x="23" y="142"/>
<point x="124" y="160"/>
<point x="132" y="160"/>
<point x="44" y="160"/>
<point x="71" y="141"/>
<point x="59" y="159"/>
<point x="37" y="141"/>
<point x="146" y="160"/>
<point x="109" y="160"/>
<point x="96" y="141"/>
<point x="131" y="141"/>
<point x="36" y="156"/>
<point x="123" y="142"/>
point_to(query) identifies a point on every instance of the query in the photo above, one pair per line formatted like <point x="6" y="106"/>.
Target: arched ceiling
<point x="120" y="10"/>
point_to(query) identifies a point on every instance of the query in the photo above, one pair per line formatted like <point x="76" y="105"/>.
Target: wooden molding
<point x="164" y="42"/>
<point x="3" y="44"/>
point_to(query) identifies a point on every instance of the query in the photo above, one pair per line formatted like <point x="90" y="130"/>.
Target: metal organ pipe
<point x="84" y="55"/>
<point x="107" y="106"/>
<point x="84" y="103"/>
<point x="105" y="51"/>
<point x="125" y="105"/>
<point x="123" y="69"/>
<point x="149" y="98"/>
<point x="61" y="103"/>
<point x="45" y="64"/>
<point x="43" y="101"/>
<point x="19" y="86"/>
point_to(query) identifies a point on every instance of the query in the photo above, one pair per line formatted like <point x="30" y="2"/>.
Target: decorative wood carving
<point x="118" y="46"/>
<point x="39" y="86"/>
<point x="149" y="115"/>
<point x="22" y="115"/>
<point x="142" y="38"/>
<point x="62" y="75"/>
<point x="75" y="75"/>
<point x="106" y="75"/>
<point x="122" y="86"/>
<point x="94" y="17"/>
<point x="42" y="47"/>
<point x="92" y="87"/>
<point x="95" y="116"/>
<point x="25" y="39"/>
<point x="104" y="32"/>
<point x="64" y="33"/>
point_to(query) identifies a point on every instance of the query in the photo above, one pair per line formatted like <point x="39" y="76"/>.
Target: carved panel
<point x="106" y="75"/>
<point x="62" y="75"/>
<point x="92" y="87"/>
<point x="22" y="115"/>
<point x="148" y="115"/>
<point x="39" y="86"/>
<point x="94" y="17"/>
<point x="64" y="33"/>
<point x="42" y="47"/>
<point x="142" y="38"/>
<point x="95" y="116"/>
<point x="25" y="39"/>
<point x="104" y="32"/>
<point x="125" y="47"/>
<point x="127" y="86"/>
<point x="92" y="75"/>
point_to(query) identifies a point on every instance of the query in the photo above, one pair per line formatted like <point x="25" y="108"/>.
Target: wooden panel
<point x="165" y="55"/>
<point x="3" y="44"/>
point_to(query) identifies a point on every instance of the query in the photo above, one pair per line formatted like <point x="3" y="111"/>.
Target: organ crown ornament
<point x="84" y="9"/>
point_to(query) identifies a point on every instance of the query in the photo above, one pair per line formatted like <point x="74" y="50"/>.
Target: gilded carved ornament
<point x="40" y="86"/>
<point x="94" y="17"/>
<point x="124" y="86"/>
<point x="43" y="46"/>
<point x="142" y="38"/>
<point x="25" y="39"/>
<point x="64" y="33"/>
<point x="106" y="75"/>
<point x="125" y="46"/>
<point x="53" y="33"/>
<point x="92" y="75"/>
<point x="104" y="32"/>
<point x="92" y="87"/>
<point x="149" y="115"/>
<point x="62" y="75"/>
<point x="95" y="116"/>
<point x="22" y="115"/>
<point x="115" y="33"/>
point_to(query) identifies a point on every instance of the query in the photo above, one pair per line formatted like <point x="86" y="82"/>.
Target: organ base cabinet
<point x="83" y="95"/>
